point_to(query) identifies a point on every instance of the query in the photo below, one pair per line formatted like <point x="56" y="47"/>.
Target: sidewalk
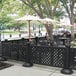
<point x="36" y="70"/>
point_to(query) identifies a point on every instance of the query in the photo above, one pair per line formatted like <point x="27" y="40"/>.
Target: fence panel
<point x="40" y="54"/>
<point x="46" y="55"/>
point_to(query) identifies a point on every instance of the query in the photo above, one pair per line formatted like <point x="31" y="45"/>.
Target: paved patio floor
<point x="36" y="70"/>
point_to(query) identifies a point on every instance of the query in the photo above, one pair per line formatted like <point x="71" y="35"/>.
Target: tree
<point x="45" y="8"/>
<point x="13" y="7"/>
<point x="5" y="19"/>
<point x="8" y="8"/>
<point x="69" y="6"/>
<point x="42" y="8"/>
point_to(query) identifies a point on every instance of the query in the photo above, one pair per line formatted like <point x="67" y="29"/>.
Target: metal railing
<point x="49" y="55"/>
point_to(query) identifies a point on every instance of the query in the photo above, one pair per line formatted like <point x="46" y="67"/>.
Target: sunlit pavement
<point x="36" y="70"/>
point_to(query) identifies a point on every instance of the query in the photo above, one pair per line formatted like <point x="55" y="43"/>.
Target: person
<point x="36" y="40"/>
<point x="19" y="35"/>
<point x="35" y="34"/>
<point x="65" y="34"/>
<point x="46" y="37"/>
<point x="10" y="35"/>
<point x="40" y="34"/>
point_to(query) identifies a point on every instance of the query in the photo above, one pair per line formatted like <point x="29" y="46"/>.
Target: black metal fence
<point x="14" y="51"/>
<point x="40" y="54"/>
<point x="47" y="55"/>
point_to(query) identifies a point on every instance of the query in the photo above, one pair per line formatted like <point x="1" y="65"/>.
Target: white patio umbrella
<point x="28" y="18"/>
<point x="49" y="21"/>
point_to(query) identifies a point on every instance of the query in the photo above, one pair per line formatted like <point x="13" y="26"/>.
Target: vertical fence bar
<point x="73" y="58"/>
<point x="2" y="58"/>
<point x="28" y="60"/>
<point x="66" y="69"/>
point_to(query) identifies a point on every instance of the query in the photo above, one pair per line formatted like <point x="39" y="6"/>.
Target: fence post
<point x="67" y="69"/>
<point x="1" y="57"/>
<point x="28" y="62"/>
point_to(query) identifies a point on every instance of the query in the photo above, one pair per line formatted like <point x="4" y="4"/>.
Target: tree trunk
<point x="72" y="27"/>
<point x="49" y="29"/>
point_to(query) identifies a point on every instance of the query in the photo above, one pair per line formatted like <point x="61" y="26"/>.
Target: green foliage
<point x="15" y="25"/>
<point x="58" y="14"/>
<point x="44" y="8"/>
<point x="12" y="7"/>
<point x="64" y="1"/>
<point x="5" y="19"/>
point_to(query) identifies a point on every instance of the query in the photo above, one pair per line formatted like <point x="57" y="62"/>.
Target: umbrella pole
<point x="29" y="32"/>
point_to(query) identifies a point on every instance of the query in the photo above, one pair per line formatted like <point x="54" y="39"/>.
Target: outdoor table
<point x="64" y="40"/>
